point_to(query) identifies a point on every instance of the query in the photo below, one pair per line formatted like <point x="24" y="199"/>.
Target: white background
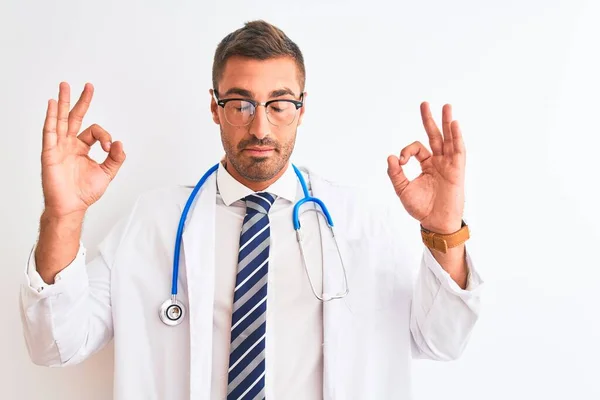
<point x="522" y="77"/>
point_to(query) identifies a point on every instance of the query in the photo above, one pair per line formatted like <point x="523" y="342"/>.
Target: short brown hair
<point x="258" y="40"/>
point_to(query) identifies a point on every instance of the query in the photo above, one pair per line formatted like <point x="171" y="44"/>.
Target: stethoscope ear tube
<point x="309" y="199"/>
<point x="299" y="237"/>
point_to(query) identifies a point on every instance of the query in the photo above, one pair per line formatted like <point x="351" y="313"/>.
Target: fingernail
<point x="107" y="145"/>
<point x="401" y="158"/>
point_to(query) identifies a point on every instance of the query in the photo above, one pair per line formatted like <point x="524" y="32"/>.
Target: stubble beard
<point x="258" y="169"/>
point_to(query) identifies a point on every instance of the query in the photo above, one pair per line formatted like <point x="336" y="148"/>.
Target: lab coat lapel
<point x="332" y="283"/>
<point x="199" y="252"/>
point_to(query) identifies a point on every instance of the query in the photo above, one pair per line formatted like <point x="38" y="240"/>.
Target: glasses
<point x="241" y="112"/>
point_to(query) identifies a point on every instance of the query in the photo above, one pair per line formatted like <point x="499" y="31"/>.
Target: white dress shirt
<point x="293" y="355"/>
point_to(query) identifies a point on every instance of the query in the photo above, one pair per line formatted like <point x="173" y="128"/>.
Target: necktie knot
<point x="259" y="203"/>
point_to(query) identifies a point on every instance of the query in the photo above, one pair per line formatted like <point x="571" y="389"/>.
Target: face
<point x="259" y="151"/>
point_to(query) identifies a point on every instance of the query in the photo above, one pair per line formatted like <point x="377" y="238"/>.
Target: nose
<point x="260" y="126"/>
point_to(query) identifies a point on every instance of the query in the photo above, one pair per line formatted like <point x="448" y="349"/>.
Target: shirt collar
<point x="231" y="190"/>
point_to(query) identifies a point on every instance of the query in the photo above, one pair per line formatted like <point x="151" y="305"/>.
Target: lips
<point x="259" y="151"/>
<point x="260" y="148"/>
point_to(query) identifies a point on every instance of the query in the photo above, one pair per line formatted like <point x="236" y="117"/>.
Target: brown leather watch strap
<point x="441" y="242"/>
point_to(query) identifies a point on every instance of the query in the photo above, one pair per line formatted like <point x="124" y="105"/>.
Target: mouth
<point x="259" y="151"/>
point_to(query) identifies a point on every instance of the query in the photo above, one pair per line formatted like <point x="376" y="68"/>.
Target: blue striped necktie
<point x="246" y="377"/>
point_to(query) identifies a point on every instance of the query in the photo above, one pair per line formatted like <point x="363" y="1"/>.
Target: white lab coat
<point x="370" y="337"/>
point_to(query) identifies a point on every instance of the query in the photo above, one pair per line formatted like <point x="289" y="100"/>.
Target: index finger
<point x="80" y="109"/>
<point x="436" y="142"/>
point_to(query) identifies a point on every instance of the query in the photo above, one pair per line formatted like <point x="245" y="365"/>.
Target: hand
<point x="436" y="197"/>
<point x="71" y="180"/>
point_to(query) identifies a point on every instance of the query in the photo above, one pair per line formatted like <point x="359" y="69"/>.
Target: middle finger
<point x="76" y="115"/>
<point x="64" y="98"/>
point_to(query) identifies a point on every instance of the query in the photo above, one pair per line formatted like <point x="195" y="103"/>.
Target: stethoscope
<point x="172" y="311"/>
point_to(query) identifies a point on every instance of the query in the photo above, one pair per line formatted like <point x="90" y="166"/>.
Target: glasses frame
<point x="222" y="102"/>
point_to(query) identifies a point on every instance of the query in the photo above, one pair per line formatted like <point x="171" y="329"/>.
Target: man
<point x="252" y="322"/>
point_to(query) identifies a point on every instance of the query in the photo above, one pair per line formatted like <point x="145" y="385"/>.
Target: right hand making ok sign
<point x="71" y="180"/>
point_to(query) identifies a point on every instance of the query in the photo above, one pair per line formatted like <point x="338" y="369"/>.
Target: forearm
<point x="442" y="313"/>
<point x="70" y="320"/>
<point x="454" y="262"/>
<point x="58" y="243"/>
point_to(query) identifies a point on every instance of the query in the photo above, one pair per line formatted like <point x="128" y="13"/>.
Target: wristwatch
<point x="442" y="243"/>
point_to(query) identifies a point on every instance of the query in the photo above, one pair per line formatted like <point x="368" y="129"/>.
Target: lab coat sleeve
<point x="67" y="321"/>
<point x="443" y="314"/>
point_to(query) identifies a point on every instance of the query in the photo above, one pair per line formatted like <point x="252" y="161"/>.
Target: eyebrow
<point x="247" y="93"/>
<point x="282" y="92"/>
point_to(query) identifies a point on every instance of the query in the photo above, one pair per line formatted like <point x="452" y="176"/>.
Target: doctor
<point x="257" y="315"/>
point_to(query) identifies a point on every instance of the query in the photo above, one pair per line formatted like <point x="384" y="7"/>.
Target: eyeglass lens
<point x="241" y="112"/>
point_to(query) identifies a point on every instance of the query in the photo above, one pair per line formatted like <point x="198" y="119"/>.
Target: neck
<point x="256" y="186"/>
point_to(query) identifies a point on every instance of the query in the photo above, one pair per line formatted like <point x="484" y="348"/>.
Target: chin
<point x="260" y="168"/>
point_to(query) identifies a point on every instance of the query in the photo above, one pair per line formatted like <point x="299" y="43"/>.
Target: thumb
<point x="114" y="160"/>
<point x="396" y="174"/>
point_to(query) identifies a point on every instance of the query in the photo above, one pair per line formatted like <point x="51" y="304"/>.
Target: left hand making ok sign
<point x="436" y="197"/>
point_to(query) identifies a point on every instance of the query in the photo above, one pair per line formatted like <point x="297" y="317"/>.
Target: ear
<point x="214" y="108"/>
<point x="302" y="109"/>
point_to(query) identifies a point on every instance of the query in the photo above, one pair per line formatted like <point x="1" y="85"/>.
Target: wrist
<point x="61" y="227"/>
<point x="58" y="243"/>
<point x="443" y="242"/>
<point x="443" y="228"/>
<point x="70" y="219"/>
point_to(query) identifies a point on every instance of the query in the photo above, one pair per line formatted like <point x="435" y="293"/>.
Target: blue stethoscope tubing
<point x="182" y="220"/>
<point x="172" y="311"/>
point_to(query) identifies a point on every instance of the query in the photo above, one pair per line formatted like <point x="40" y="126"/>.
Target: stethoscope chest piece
<point x="172" y="312"/>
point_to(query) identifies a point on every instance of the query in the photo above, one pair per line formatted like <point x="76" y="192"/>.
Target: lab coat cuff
<point x="74" y="274"/>
<point x="474" y="281"/>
